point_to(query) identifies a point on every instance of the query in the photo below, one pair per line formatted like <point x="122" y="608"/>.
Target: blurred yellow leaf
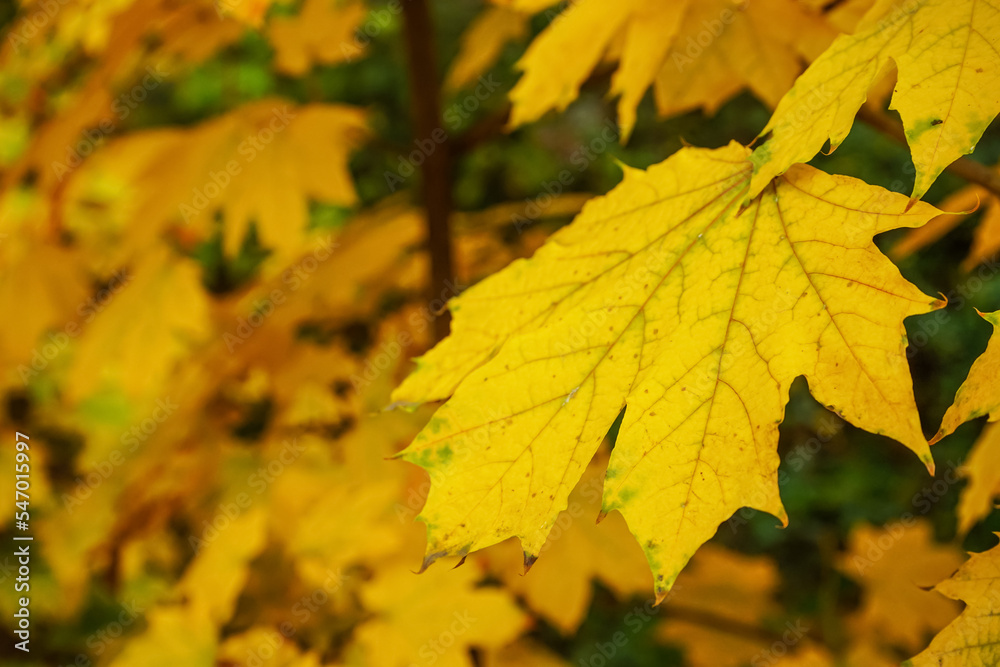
<point x="578" y="551"/>
<point x="731" y="587"/>
<point x="434" y="617"/>
<point x="482" y="43"/>
<point x="323" y="32"/>
<point x="896" y="565"/>
<point x="979" y="395"/>
<point x="698" y="53"/>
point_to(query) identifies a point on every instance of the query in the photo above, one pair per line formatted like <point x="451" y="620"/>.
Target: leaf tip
<point x="529" y="560"/>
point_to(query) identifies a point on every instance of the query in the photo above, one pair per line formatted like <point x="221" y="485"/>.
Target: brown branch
<point x="425" y="94"/>
<point x="969" y="170"/>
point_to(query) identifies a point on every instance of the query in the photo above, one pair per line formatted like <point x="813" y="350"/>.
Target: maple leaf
<point x="894" y="565"/>
<point x="150" y="322"/>
<point x="215" y="578"/>
<point x="483" y="42"/>
<point x="262" y="163"/>
<point x="559" y="587"/>
<point x="665" y="296"/>
<point x="972" y="638"/>
<point x="978" y="497"/>
<point x="948" y="89"/>
<point x="257" y="647"/>
<point x="979" y="394"/>
<point x="158" y="645"/>
<point x="698" y="53"/>
<point x="436" y="618"/>
<point x="729" y="586"/>
<point x="322" y="32"/>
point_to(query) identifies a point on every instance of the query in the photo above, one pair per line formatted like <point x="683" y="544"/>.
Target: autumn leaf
<point x="230" y="165"/>
<point x="434" y="618"/>
<point x="578" y="551"/>
<point x="483" y="42"/>
<point x="727" y="586"/>
<point x="264" y="647"/>
<point x="895" y="566"/>
<point x="979" y="496"/>
<point x="947" y="92"/>
<point x="979" y="394"/>
<point x="971" y="639"/>
<point x="151" y="320"/>
<point x="699" y="54"/>
<point x="668" y="298"/>
<point x="158" y="645"/>
<point x="323" y="32"/>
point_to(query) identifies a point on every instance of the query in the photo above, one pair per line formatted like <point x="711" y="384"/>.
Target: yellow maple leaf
<point x="483" y="42"/>
<point x="261" y="163"/>
<point x="972" y="638"/>
<point x="159" y="645"/>
<point x="264" y="647"/>
<point x="979" y="395"/>
<point x="140" y="332"/>
<point x="212" y="583"/>
<point x="947" y="53"/>
<point x="729" y="586"/>
<point x="251" y="12"/>
<point x="434" y="619"/>
<point x="977" y="499"/>
<point x="322" y="32"/>
<point x="578" y="551"/>
<point x="698" y="53"/>
<point x="668" y="297"/>
<point x="896" y="565"/>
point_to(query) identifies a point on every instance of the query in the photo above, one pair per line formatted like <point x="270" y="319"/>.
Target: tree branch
<point x="425" y="94"/>
<point x="969" y="170"/>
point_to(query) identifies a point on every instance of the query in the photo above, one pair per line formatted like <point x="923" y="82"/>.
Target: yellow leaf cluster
<point x="695" y="54"/>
